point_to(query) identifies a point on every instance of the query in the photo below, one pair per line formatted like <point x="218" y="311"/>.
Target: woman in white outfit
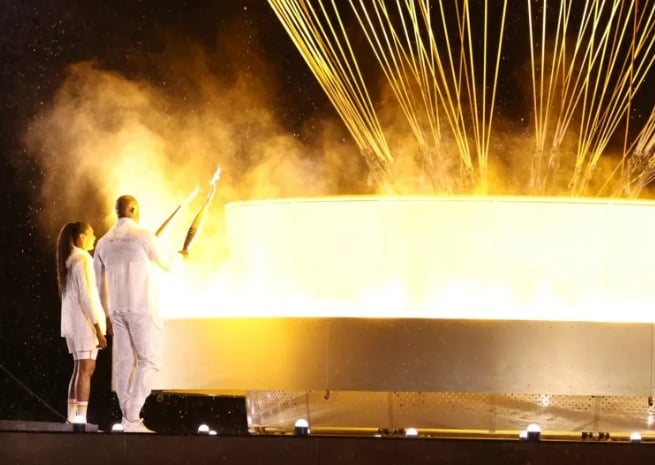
<point x="83" y="322"/>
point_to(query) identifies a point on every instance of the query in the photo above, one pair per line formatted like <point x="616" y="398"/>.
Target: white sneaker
<point x="136" y="426"/>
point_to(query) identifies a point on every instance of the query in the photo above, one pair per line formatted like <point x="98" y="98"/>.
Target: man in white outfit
<point x="123" y="262"/>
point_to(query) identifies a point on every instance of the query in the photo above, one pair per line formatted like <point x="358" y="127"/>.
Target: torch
<point x="200" y="216"/>
<point x="179" y="208"/>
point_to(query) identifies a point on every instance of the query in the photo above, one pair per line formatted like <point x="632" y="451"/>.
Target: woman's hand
<point x="102" y="340"/>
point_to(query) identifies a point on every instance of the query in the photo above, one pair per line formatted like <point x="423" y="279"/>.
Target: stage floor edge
<point x="27" y="448"/>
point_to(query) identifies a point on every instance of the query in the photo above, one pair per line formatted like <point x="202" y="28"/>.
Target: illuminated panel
<point x="450" y="257"/>
<point x="408" y="355"/>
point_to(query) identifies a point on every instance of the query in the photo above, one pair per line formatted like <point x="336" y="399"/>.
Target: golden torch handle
<point x="199" y="219"/>
<point x="179" y="208"/>
<point x="168" y="220"/>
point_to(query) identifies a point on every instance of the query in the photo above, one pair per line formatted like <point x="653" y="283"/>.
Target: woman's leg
<point x="83" y="386"/>
<point x="71" y="409"/>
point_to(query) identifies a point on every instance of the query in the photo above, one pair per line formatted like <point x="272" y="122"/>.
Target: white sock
<point x="71" y="411"/>
<point x="81" y="410"/>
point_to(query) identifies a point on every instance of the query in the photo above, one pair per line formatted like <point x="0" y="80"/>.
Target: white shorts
<point x="81" y="354"/>
<point x="85" y="354"/>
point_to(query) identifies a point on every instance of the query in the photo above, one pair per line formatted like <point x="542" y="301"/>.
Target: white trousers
<point x="138" y="345"/>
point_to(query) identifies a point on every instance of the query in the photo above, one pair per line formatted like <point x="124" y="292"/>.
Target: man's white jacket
<point x="123" y="262"/>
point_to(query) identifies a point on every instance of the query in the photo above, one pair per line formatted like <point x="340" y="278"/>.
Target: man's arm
<point x="162" y="258"/>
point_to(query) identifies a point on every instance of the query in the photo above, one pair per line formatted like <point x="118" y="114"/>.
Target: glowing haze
<point x="105" y="134"/>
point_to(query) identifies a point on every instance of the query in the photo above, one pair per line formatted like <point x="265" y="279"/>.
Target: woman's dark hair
<point x="65" y="242"/>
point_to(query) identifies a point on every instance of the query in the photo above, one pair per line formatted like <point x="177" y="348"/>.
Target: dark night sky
<point x="38" y="40"/>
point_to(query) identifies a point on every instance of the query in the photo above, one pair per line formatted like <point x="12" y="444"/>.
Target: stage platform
<point x="43" y="426"/>
<point x="27" y="448"/>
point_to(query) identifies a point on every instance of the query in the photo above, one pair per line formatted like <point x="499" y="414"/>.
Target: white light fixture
<point x="635" y="437"/>
<point x="523" y="435"/>
<point x="116" y="428"/>
<point x="79" y="424"/>
<point x="203" y="429"/>
<point x="533" y="432"/>
<point x="301" y="428"/>
<point x="411" y="433"/>
<point x="213" y="432"/>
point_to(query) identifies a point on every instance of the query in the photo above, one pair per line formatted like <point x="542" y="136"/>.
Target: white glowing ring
<point x="444" y="257"/>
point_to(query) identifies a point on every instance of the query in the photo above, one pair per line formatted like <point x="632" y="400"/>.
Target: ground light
<point x="203" y="429"/>
<point x="79" y="424"/>
<point x="301" y="428"/>
<point x="534" y="432"/>
<point x="411" y="433"/>
<point x="531" y="433"/>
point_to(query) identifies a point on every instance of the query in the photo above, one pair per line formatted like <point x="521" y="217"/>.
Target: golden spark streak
<point x="430" y="75"/>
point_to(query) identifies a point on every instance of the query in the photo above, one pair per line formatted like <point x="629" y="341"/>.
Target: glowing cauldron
<point x="494" y="295"/>
<point x="504" y="258"/>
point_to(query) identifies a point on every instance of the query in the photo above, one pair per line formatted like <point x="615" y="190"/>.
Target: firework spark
<point x="587" y="63"/>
